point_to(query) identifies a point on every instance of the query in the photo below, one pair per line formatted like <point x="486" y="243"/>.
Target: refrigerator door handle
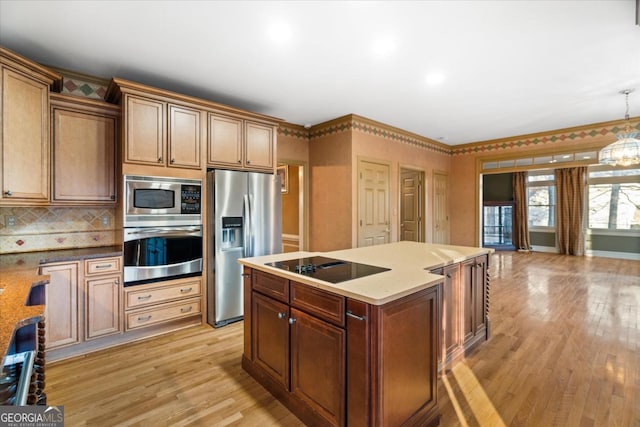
<point x="248" y="247"/>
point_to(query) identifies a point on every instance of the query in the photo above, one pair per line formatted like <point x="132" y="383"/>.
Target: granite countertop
<point x="409" y="264"/>
<point x="19" y="273"/>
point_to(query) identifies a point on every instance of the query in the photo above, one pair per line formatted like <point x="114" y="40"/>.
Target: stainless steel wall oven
<point x="162" y="229"/>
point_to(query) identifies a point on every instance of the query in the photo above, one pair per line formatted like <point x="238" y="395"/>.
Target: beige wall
<point x="467" y="159"/>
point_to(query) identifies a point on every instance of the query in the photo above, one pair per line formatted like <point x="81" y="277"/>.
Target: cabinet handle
<point x="117" y="281"/>
<point x="248" y="161"/>
<point x="140" y="298"/>
<point x="355" y="316"/>
<point x="103" y="266"/>
<point x="173" y="161"/>
<point x="186" y="309"/>
<point x="292" y="320"/>
<point x="113" y="197"/>
<point x="159" y="159"/>
<point x="239" y="161"/>
<point x="144" y="319"/>
<point x="448" y="276"/>
<point x="8" y="193"/>
<point x="282" y="315"/>
<point x="185" y="290"/>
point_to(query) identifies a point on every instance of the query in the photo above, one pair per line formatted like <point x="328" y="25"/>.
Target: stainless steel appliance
<point x="328" y="269"/>
<point x="160" y="253"/>
<point x="153" y="201"/>
<point x="245" y="219"/>
<point x="162" y="228"/>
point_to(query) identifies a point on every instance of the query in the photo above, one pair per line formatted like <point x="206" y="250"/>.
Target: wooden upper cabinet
<point x="24" y="133"/>
<point x="259" y="145"/>
<point x="144" y="138"/>
<point x="236" y="143"/>
<point x="184" y="137"/>
<point x="84" y="145"/>
<point x="164" y="128"/>
<point x="224" y="141"/>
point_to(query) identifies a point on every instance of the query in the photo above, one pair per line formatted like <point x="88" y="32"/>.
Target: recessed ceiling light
<point x="434" y="78"/>
<point x="280" y="32"/>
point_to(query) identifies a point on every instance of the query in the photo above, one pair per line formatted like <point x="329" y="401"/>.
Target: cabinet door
<point x="24" y="139"/>
<point x="451" y="302"/>
<point x="318" y="372"/>
<point x="479" y="295"/>
<point x="61" y="309"/>
<point x="83" y="146"/>
<point x="271" y="337"/>
<point x="184" y="137"/>
<point x="144" y="139"/>
<point x="259" y="143"/>
<point x="225" y="141"/>
<point x="468" y="309"/>
<point x="103" y="306"/>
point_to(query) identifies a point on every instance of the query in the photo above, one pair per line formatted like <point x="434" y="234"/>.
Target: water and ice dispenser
<point x="232" y="232"/>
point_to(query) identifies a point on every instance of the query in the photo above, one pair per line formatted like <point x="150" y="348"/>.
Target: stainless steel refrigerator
<point x="244" y="220"/>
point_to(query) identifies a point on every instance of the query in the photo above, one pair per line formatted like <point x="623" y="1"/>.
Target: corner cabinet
<point x="84" y="134"/>
<point x="24" y="136"/>
<point x="328" y="357"/>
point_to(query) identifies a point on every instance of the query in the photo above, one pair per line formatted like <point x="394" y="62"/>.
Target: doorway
<point x="373" y="203"/>
<point x="411" y="205"/>
<point x="294" y="206"/>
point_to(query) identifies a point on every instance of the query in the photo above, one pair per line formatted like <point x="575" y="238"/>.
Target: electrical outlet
<point x="105" y="221"/>
<point x="11" y="221"/>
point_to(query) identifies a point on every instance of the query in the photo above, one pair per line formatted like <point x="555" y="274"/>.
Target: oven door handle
<point x="174" y="231"/>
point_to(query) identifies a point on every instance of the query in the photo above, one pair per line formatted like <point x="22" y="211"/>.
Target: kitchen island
<point x="364" y="351"/>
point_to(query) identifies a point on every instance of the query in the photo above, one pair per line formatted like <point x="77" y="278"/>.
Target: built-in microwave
<point x="152" y="201"/>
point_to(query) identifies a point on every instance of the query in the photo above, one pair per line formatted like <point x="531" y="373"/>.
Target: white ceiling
<point x="508" y="67"/>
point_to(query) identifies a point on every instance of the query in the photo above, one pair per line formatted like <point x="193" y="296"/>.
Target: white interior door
<point x="440" y="207"/>
<point x="373" y="207"/>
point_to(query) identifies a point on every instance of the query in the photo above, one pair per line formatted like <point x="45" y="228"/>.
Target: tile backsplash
<point x="28" y="229"/>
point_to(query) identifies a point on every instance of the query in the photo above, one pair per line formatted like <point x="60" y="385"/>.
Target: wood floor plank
<point x="565" y="351"/>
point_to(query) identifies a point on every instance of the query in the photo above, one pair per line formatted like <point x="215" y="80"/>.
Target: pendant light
<point x="626" y="150"/>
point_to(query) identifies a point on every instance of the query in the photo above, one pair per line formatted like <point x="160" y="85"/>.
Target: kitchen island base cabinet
<point x="336" y="361"/>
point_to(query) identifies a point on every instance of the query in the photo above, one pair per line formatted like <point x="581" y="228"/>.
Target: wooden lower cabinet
<point x="336" y="361"/>
<point x="61" y="307"/>
<point x="103" y="306"/>
<point x="465" y="307"/>
<point x="160" y="302"/>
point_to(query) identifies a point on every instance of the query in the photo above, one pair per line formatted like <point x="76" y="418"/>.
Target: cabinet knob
<point x="292" y="320"/>
<point x="173" y="161"/>
<point x="448" y="276"/>
<point x="248" y="161"/>
<point x="8" y="193"/>
<point x="113" y="197"/>
<point x="117" y="281"/>
<point x="159" y="159"/>
<point x="239" y="161"/>
<point x="281" y="315"/>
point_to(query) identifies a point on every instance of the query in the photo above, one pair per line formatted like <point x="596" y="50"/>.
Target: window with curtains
<point x="541" y="197"/>
<point x="614" y="198"/>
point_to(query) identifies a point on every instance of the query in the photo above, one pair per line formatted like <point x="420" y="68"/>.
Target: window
<point x="614" y="198"/>
<point x="541" y="192"/>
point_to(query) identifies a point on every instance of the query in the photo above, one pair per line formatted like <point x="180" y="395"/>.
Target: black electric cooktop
<point x="327" y="269"/>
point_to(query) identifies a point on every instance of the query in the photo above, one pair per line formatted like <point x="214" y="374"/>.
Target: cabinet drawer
<point x="148" y="296"/>
<point x="102" y="265"/>
<point x="163" y="313"/>
<point x="324" y="305"/>
<point x="273" y="286"/>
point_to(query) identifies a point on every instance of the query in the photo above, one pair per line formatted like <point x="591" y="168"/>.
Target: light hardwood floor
<point x="564" y="351"/>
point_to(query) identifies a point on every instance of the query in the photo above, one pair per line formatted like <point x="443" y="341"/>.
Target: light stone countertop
<point x="409" y="262"/>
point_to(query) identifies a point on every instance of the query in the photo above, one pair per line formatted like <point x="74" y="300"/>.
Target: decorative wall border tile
<point x="541" y="139"/>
